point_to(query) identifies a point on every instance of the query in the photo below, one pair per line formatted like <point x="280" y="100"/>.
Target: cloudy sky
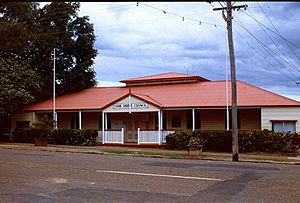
<point x="159" y="37"/>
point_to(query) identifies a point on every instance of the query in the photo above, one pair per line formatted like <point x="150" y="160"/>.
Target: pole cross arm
<point x="232" y="7"/>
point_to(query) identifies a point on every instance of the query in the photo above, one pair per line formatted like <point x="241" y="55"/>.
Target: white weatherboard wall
<point x="279" y="113"/>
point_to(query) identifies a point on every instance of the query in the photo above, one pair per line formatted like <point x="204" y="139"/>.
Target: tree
<point x="73" y="37"/>
<point x="30" y="34"/>
<point x="17" y="81"/>
<point x="17" y="29"/>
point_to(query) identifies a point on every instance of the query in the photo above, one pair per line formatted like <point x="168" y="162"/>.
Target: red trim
<point x="114" y="101"/>
<point x="134" y="145"/>
<point x="126" y="95"/>
<point x="283" y="120"/>
<point x="197" y="78"/>
<point x="146" y="101"/>
<point x="111" y="130"/>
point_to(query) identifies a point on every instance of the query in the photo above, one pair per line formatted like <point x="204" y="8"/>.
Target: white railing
<point x="112" y="136"/>
<point x="152" y="136"/>
<point x="164" y="134"/>
<point x="148" y="137"/>
<point x="99" y="138"/>
<point x="144" y="136"/>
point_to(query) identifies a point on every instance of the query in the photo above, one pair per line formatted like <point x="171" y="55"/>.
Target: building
<point x="148" y="108"/>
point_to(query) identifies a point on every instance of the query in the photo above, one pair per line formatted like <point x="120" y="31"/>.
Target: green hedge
<point x="73" y="137"/>
<point x="58" y="136"/>
<point x="22" y="135"/>
<point x="249" y="140"/>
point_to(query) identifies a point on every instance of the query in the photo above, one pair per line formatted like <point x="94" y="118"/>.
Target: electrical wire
<point x="267" y="49"/>
<point x="263" y="46"/>
<point x="273" y="31"/>
<point x="285" y="59"/>
<point x="181" y="16"/>
<point x="277" y="30"/>
<point x="263" y="58"/>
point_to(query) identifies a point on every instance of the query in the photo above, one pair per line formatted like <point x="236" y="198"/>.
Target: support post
<point x="105" y="121"/>
<point x="193" y="114"/>
<point x="80" y="123"/>
<point x="138" y="136"/>
<point x="103" y="117"/>
<point x="54" y="102"/>
<point x="159" y="127"/>
<point x="105" y="125"/>
<point x="122" y="131"/>
<point x="228" y="19"/>
<point x="235" y="156"/>
<point x="33" y="117"/>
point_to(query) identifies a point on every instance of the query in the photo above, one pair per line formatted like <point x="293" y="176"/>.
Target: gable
<point x="131" y="103"/>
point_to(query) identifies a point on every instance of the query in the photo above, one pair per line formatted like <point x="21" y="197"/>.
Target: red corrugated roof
<point x="201" y="94"/>
<point x="164" y="77"/>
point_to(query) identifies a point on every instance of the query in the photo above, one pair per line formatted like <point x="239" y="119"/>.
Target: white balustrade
<point x="147" y="137"/>
<point x="112" y="136"/>
<point x="144" y="136"/>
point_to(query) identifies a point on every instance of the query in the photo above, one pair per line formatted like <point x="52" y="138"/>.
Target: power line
<point x="265" y="59"/>
<point x="141" y="21"/>
<point x="273" y="31"/>
<point x="293" y="66"/>
<point x="262" y="45"/>
<point x="181" y="16"/>
<point x="277" y="30"/>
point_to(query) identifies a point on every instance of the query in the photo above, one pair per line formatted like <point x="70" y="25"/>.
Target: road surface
<point x="40" y="176"/>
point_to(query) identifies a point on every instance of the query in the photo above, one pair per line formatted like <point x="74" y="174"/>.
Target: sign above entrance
<point x="133" y="106"/>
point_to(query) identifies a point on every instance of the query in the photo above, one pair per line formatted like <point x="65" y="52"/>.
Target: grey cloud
<point x="134" y="50"/>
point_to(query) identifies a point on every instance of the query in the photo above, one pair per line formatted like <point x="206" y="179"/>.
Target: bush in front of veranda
<point x="57" y="136"/>
<point x="73" y="137"/>
<point x="22" y="135"/>
<point x="221" y="140"/>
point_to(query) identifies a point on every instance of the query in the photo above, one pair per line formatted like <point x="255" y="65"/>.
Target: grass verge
<point x="209" y="156"/>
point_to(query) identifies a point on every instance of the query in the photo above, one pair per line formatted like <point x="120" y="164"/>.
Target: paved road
<point x="40" y="176"/>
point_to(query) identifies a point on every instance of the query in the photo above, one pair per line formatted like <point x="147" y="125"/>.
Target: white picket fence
<point x="111" y="136"/>
<point x="144" y="136"/>
<point x="148" y="137"/>
<point x="152" y="136"/>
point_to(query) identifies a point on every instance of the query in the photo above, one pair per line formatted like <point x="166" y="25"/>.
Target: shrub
<point x="73" y="137"/>
<point x="249" y="140"/>
<point x="27" y="135"/>
<point x="178" y="139"/>
<point x="22" y="135"/>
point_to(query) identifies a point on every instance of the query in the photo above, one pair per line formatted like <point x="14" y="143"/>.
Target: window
<point x="284" y="126"/>
<point x="22" y="124"/>
<point x="176" y="121"/>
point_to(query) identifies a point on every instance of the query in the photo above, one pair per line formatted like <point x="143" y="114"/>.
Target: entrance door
<point x="133" y="123"/>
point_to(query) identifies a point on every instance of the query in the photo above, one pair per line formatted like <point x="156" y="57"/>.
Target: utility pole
<point x="54" y="112"/>
<point x="228" y="19"/>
